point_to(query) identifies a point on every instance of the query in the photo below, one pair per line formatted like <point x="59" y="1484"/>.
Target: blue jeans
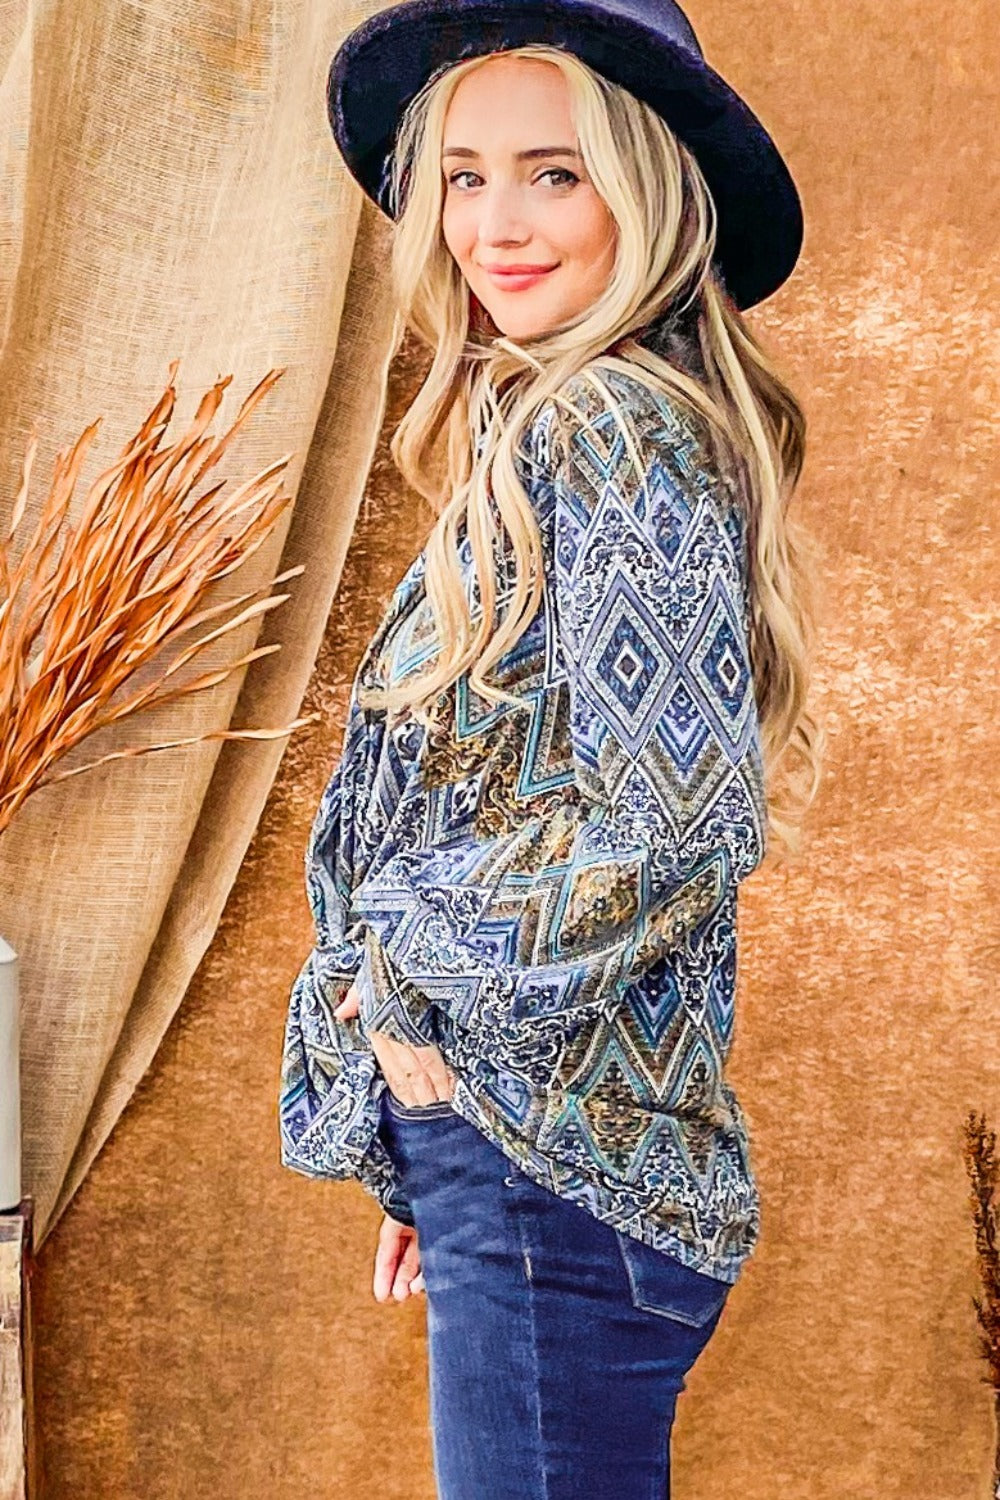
<point x="557" y="1344"/>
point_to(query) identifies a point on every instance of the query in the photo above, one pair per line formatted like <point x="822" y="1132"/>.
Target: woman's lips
<point x="517" y="281"/>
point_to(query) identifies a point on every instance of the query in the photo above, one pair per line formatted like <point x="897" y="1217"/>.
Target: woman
<point x="560" y="754"/>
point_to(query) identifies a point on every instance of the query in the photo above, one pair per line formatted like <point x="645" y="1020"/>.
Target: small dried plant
<point x="130" y="579"/>
<point x="984" y="1175"/>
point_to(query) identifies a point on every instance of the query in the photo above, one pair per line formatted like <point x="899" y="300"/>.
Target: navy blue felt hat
<point x="647" y="46"/>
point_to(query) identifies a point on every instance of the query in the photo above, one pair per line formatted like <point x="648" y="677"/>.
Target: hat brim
<point x="384" y="62"/>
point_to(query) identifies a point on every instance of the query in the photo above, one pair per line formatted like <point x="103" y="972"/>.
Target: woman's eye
<point x="563" y="172"/>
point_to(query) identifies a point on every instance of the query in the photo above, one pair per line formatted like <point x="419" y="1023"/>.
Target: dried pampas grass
<point x="130" y="579"/>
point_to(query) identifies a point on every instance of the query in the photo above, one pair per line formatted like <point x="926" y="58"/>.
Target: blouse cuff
<point x="389" y="1003"/>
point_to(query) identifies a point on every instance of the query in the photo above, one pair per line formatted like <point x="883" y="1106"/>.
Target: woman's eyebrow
<point x="520" y="155"/>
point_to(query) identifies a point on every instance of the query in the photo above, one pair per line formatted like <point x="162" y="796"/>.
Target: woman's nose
<point x="501" y="220"/>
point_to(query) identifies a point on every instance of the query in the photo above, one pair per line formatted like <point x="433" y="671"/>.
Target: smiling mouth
<point x="516" y="280"/>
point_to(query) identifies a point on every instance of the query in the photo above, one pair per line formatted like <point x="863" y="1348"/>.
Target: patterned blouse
<point x="547" y="892"/>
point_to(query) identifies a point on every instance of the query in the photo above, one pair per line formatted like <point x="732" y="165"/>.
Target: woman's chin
<point x="522" y="329"/>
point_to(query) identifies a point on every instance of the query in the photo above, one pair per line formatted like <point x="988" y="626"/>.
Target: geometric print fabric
<point x="548" y="892"/>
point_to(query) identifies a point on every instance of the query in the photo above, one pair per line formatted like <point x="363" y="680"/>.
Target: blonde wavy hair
<point x="482" y="385"/>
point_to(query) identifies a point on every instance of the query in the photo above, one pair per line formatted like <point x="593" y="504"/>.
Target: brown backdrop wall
<point x="205" y="1320"/>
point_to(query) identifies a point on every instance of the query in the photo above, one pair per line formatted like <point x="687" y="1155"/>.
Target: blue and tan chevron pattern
<point x="547" y="890"/>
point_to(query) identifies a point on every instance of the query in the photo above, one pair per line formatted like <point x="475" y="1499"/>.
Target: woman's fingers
<point x="397" y="1260"/>
<point x="437" y="1070"/>
<point x="408" y="1270"/>
<point x="416" y="1075"/>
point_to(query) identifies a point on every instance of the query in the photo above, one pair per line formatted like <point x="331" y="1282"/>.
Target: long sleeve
<point x="327" y="1066"/>
<point x="650" y="583"/>
<point x="660" y="806"/>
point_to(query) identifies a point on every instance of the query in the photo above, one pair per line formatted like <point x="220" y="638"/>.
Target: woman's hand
<point x="397" y="1262"/>
<point x="415" y="1075"/>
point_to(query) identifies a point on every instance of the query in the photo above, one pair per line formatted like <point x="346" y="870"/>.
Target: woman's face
<point x="517" y="194"/>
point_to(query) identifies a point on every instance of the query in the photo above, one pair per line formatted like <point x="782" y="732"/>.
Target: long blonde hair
<point x="487" y="387"/>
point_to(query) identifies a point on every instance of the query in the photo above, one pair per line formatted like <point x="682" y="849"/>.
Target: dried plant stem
<point x="130" y="579"/>
<point x="984" y="1175"/>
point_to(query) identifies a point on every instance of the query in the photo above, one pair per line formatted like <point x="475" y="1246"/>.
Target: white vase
<point x="10" y="1080"/>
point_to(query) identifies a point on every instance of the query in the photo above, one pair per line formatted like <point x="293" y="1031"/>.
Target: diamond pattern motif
<point x="632" y="661"/>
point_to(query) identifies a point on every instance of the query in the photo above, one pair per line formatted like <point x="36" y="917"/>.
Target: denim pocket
<point x="417" y="1111"/>
<point x="660" y="1283"/>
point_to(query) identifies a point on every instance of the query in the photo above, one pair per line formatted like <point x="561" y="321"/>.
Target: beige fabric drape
<point x="170" y="188"/>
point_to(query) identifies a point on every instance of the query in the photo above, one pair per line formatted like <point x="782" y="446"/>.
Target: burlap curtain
<point x="169" y="188"/>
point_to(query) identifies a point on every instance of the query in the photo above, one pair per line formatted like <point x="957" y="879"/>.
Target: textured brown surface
<point x="204" y="1319"/>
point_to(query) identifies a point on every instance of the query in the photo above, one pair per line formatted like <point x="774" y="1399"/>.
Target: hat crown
<point x="471" y="27"/>
<point x="663" y="17"/>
